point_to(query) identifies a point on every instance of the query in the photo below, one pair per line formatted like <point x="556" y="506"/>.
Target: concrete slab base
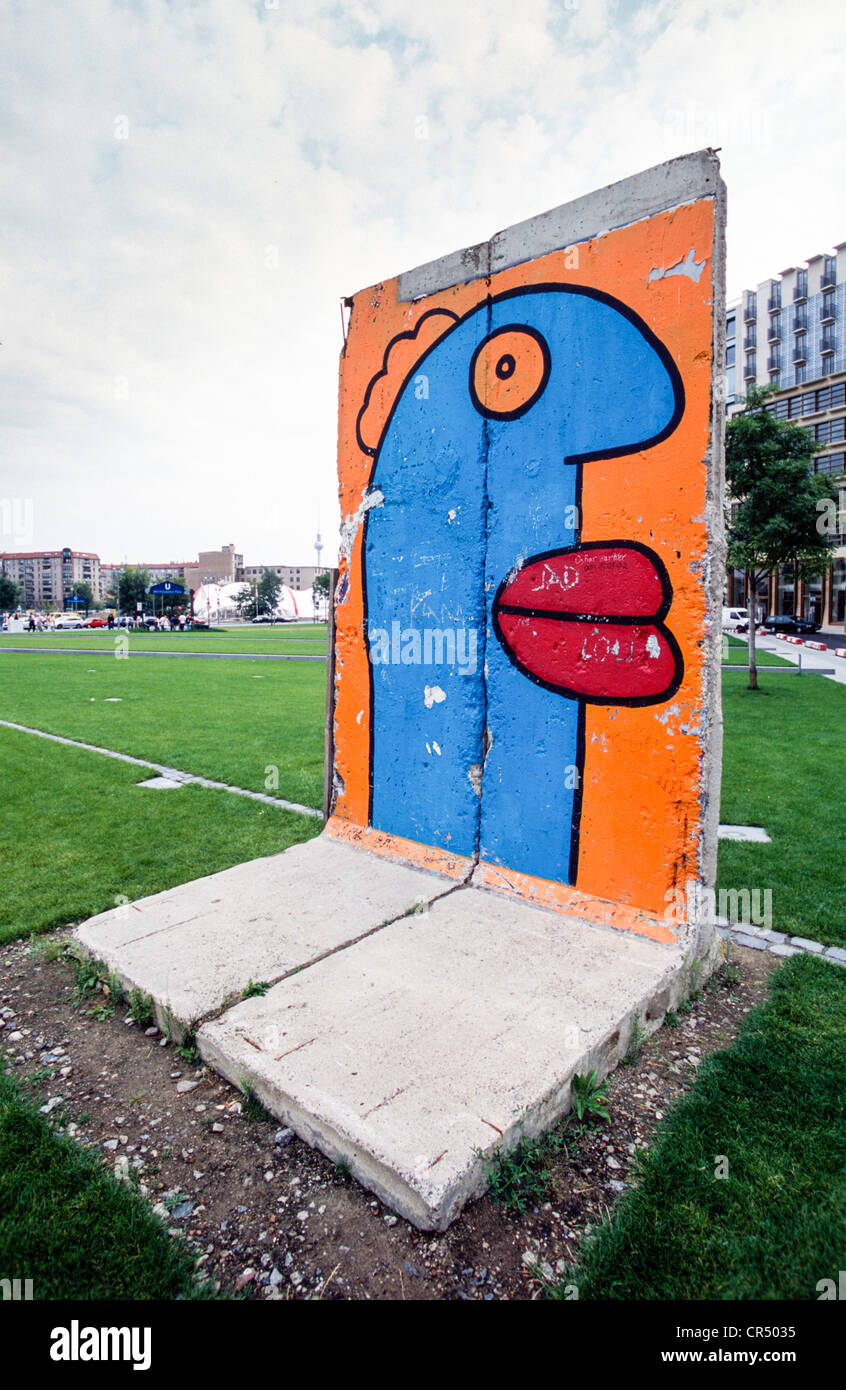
<point x="416" y="1053"/>
<point x="414" y="1025"/>
<point x="195" y="948"/>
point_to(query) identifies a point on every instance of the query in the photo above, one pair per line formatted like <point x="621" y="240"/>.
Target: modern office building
<point x="790" y="332"/>
<point x="46" y="577"/>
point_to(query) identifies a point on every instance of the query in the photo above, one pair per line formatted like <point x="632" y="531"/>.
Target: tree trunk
<point x="751" y="598"/>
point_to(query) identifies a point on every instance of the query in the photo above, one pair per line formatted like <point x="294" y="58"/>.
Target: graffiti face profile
<point x="480" y="487"/>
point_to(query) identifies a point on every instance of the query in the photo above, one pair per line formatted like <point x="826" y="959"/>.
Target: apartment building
<point x="46" y="577"/>
<point x="790" y="332"/>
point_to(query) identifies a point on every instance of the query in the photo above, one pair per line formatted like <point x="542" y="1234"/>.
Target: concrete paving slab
<point x="414" y="1054"/>
<point x="194" y="948"/>
<point x="751" y="834"/>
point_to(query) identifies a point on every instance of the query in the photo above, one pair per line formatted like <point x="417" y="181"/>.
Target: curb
<point x="779" y="943"/>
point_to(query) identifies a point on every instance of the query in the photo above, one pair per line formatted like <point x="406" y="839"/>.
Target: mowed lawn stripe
<point x="78" y="836"/>
<point x="253" y="724"/>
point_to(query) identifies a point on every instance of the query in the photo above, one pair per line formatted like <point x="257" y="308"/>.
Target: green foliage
<point x="10" y="593"/>
<point x="519" y="1178"/>
<point x="589" y="1096"/>
<point x="88" y="978"/>
<point x="255" y="989"/>
<point x="131" y="584"/>
<point x="772" y="496"/>
<point x="252" y="1108"/>
<point x="141" y="1007"/>
<point x="774" y="501"/>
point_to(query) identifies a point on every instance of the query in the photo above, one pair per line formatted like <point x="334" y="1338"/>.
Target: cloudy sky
<point x="192" y="185"/>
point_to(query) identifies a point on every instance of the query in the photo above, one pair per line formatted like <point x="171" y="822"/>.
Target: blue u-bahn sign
<point x="167" y="586"/>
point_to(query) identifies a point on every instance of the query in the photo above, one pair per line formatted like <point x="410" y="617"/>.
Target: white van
<point x="735" y="620"/>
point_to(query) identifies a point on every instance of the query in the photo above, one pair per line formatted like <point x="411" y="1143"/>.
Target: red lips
<point x="586" y="621"/>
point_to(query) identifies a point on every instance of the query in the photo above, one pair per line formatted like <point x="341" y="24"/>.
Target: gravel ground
<point x="269" y="1217"/>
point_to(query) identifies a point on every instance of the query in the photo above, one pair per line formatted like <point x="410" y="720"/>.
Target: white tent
<point x="215" y="603"/>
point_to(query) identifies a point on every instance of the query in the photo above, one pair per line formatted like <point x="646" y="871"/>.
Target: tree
<point x="131" y="586"/>
<point x="774" y="501"/>
<point x="245" y="601"/>
<point x="10" y="594"/>
<point x="84" y="591"/>
<point x="259" y="598"/>
<point x="320" y="590"/>
<point x="267" y="593"/>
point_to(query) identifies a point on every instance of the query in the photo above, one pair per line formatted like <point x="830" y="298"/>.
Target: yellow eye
<point x="509" y="371"/>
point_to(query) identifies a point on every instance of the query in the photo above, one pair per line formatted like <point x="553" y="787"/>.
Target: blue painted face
<point x="479" y="468"/>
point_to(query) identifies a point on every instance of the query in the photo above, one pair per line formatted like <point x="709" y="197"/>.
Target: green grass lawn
<point x="736" y="653"/>
<point x="774" y="1104"/>
<point x="80" y="835"/>
<point x="297" y="639"/>
<point x="784" y="761"/>
<point x="71" y="1228"/>
<point x="228" y="720"/>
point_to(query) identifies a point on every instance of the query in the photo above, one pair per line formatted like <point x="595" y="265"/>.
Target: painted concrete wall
<point x="527" y="616"/>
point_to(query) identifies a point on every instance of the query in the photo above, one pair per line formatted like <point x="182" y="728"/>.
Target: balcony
<point x="750" y="312"/>
<point x="827" y="345"/>
<point x="800" y="292"/>
<point x="750" y="341"/>
<point x="774" y="333"/>
<point x="829" y="280"/>
<point x="800" y="323"/>
<point x="827" y="313"/>
<point x="774" y="303"/>
<point x="774" y="363"/>
<point x="750" y="371"/>
<point x="799" y="354"/>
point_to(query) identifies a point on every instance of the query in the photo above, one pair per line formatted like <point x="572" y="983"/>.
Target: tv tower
<point x="318" y="547"/>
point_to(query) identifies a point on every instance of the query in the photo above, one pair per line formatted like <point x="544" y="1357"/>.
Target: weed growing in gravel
<point x="636" y="1041"/>
<point x="521" y="1176"/>
<point x="141" y="1008"/>
<point x="49" y="948"/>
<point x="589" y="1096"/>
<point x="88" y="976"/>
<point x="187" y="1050"/>
<point x="252" y="1108"/>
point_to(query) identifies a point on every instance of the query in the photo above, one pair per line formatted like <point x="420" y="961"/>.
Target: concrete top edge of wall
<point x="664" y="186"/>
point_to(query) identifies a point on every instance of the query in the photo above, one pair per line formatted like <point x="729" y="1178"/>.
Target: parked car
<point x="68" y="621"/>
<point x="800" y="626"/>
<point x="735" y="620"/>
<point x="95" y="622"/>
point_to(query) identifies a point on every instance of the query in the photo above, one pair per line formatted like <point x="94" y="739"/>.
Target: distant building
<point x="791" y="333"/>
<point x="219" y="566"/>
<point x="185" y="572"/>
<point x="295" y="576"/>
<point x="46" y="577"/>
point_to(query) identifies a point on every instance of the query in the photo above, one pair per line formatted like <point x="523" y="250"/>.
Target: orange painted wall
<point x="640" y="823"/>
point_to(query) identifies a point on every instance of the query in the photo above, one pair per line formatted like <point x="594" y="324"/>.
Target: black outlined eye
<point x="509" y="372"/>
